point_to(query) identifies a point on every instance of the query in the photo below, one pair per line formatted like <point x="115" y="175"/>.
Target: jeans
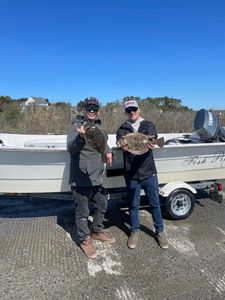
<point x="151" y="188"/>
<point x="82" y="198"/>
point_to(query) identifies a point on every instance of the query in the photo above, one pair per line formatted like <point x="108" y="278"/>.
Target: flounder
<point x="96" y="138"/>
<point x="137" y="142"/>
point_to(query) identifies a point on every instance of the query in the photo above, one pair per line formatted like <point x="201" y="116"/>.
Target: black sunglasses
<point x="131" y="109"/>
<point x="89" y="108"/>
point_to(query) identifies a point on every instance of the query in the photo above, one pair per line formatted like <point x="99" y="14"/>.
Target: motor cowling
<point x="207" y="126"/>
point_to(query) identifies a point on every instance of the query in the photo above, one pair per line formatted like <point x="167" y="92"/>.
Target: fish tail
<point x="160" y="142"/>
<point x="104" y="158"/>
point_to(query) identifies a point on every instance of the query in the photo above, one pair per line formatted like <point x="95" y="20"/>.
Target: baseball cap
<point x="130" y="103"/>
<point x="91" y="100"/>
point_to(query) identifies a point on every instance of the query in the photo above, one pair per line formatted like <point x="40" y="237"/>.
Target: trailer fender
<point x="167" y="189"/>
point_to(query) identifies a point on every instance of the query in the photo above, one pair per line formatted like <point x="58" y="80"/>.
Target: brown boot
<point x="88" y="248"/>
<point x="102" y="237"/>
<point x="132" y="240"/>
<point x="161" y="240"/>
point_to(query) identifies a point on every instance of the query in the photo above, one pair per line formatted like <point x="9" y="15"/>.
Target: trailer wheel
<point x="179" y="204"/>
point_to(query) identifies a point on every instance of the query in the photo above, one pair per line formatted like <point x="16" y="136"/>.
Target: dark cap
<point x="91" y="100"/>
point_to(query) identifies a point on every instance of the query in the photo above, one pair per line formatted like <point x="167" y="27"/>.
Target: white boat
<point x="40" y="163"/>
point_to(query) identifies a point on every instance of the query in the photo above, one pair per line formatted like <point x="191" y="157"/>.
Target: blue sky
<point x="68" y="50"/>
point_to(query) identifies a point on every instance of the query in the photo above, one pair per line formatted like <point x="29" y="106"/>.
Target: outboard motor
<point x="208" y="127"/>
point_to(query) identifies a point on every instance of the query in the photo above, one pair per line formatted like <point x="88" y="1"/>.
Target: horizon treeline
<point x="168" y="114"/>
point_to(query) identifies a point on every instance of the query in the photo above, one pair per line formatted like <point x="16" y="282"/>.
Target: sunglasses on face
<point x="131" y="109"/>
<point x="93" y="108"/>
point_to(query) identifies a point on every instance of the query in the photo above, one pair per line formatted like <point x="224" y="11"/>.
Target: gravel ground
<point x="39" y="258"/>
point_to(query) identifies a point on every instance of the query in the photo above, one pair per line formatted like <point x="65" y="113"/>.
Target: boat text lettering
<point x="218" y="157"/>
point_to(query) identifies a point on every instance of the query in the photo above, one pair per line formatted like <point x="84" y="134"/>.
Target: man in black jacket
<point x="86" y="170"/>
<point x="140" y="173"/>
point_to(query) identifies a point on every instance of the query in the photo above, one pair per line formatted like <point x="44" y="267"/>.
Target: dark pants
<point x="83" y="197"/>
<point x="151" y="188"/>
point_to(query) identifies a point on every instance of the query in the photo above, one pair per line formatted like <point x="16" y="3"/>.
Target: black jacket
<point x="138" y="166"/>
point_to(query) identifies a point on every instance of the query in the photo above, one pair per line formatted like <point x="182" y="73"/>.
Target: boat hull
<point x="42" y="170"/>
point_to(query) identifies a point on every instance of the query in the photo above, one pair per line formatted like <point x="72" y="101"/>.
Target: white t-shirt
<point x="136" y="124"/>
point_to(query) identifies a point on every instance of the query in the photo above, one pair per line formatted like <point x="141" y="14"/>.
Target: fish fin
<point x="160" y="142"/>
<point x="104" y="158"/>
<point x="138" y="152"/>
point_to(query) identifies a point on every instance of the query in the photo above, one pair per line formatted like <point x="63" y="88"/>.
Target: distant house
<point x="34" y="101"/>
<point x="37" y="101"/>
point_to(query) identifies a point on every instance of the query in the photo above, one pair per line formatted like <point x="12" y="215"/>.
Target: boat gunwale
<point x="62" y="149"/>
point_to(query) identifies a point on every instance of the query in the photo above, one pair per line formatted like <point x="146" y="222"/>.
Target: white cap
<point x="130" y="103"/>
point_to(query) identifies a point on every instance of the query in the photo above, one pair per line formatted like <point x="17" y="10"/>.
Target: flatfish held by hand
<point x="96" y="138"/>
<point x="137" y="142"/>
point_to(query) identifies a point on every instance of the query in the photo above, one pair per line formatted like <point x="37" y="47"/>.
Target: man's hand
<point x="109" y="158"/>
<point x="80" y="130"/>
<point x="151" y="146"/>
